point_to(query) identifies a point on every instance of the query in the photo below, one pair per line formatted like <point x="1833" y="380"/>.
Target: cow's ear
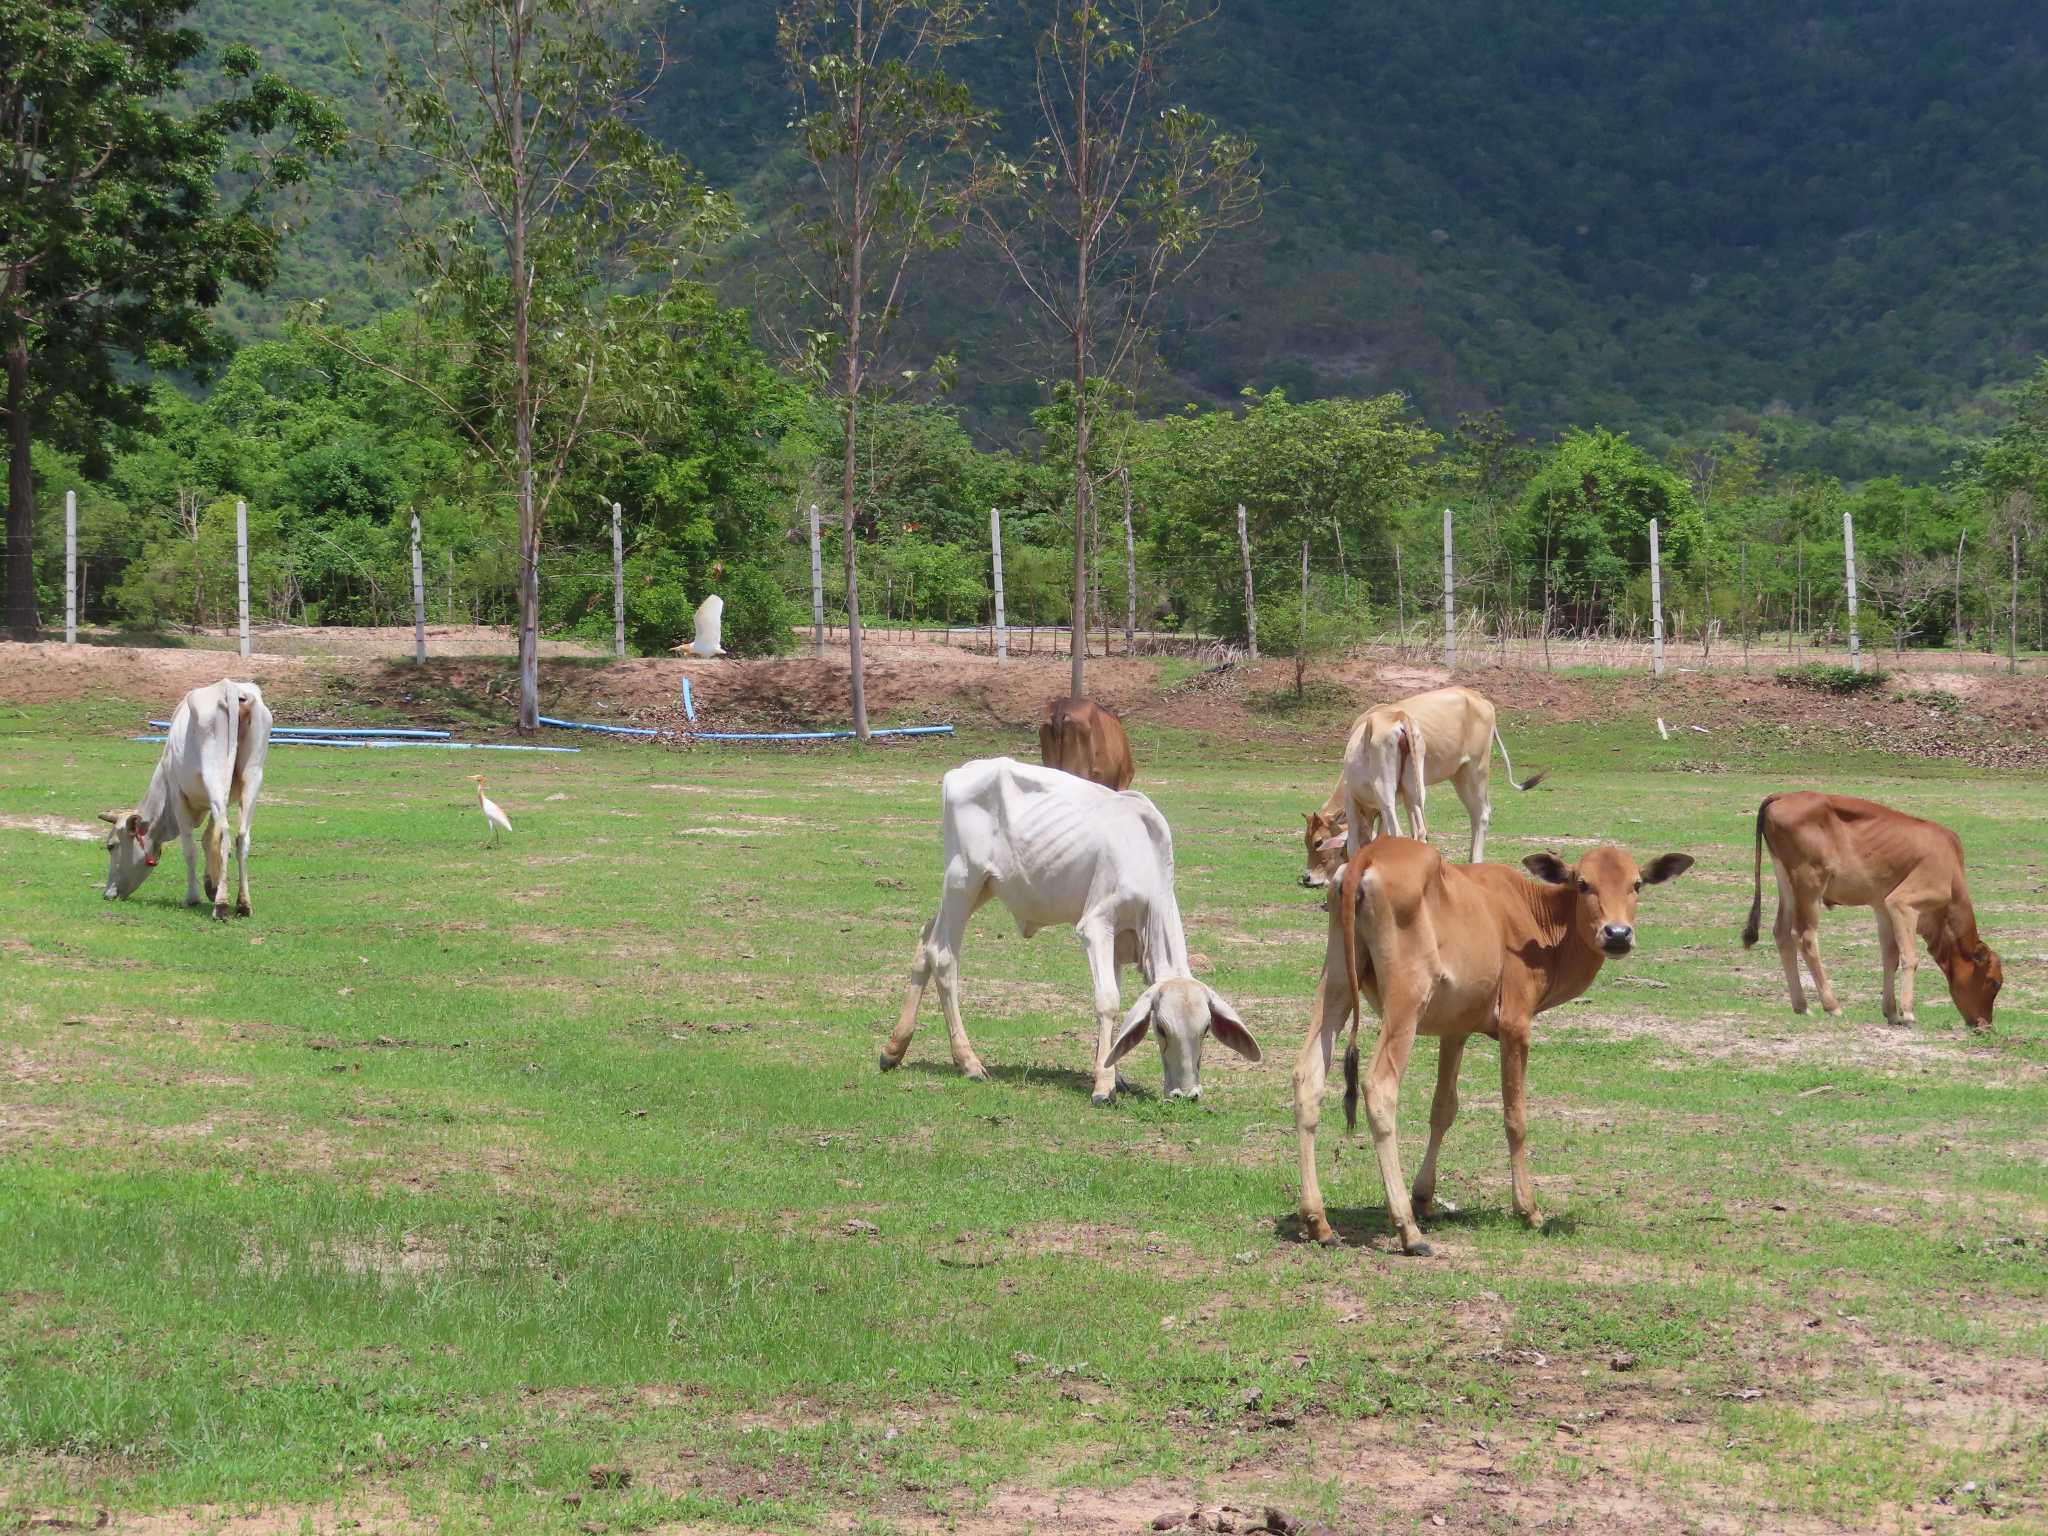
<point x="1228" y="1028"/>
<point x="1331" y="844"/>
<point x="1137" y="1024"/>
<point x="1668" y="867"/>
<point x="1548" y="866"/>
<point x="136" y="824"/>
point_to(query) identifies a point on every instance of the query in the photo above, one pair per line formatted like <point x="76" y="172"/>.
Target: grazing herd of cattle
<point x="1437" y="949"/>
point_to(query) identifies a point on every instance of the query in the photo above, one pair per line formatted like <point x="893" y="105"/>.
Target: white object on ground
<point x="494" y="818"/>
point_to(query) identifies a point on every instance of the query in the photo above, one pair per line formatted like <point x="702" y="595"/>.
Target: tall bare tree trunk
<point x="849" y="450"/>
<point x="21" y="492"/>
<point x="1130" y="573"/>
<point x="1085" y="241"/>
<point x="523" y="409"/>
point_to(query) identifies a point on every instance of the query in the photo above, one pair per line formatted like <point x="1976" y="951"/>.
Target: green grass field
<point x="455" y="1173"/>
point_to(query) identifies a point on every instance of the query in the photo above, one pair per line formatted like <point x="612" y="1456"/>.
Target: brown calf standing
<point x="1454" y="950"/>
<point x="1085" y="740"/>
<point x="1839" y="851"/>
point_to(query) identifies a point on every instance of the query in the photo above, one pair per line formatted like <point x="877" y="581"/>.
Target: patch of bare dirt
<point x="54" y="826"/>
<point x="1987" y="718"/>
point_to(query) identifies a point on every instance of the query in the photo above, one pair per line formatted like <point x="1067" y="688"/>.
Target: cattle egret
<point x="493" y="817"/>
<point x="705" y="642"/>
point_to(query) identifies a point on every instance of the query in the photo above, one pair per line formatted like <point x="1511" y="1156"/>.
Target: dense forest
<point x="1563" y="271"/>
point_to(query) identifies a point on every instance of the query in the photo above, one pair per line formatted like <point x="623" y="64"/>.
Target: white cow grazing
<point x="213" y="755"/>
<point x="1054" y="848"/>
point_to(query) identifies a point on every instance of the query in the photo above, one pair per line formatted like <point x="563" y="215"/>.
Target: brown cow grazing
<point x="1838" y="851"/>
<point x="1085" y="740"/>
<point x="1454" y="950"/>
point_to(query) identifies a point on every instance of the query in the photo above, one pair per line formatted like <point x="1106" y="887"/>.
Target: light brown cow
<point x="1454" y="950"/>
<point x="1086" y="740"/>
<point x="1838" y="851"/>
<point x="1394" y="753"/>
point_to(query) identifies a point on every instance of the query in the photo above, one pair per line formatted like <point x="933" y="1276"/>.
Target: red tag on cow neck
<point x="148" y="859"/>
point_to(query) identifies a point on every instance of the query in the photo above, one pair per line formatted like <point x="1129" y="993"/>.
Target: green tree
<point x="881" y="124"/>
<point x="1117" y="201"/>
<point x="1586" y="518"/>
<point x="554" y="229"/>
<point x="115" y="238"/>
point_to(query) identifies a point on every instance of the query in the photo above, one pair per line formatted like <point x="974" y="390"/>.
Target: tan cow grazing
<point x="214" y="751"/>
<point x="1085" y="740"/>
<point x="1454" y="950"/>
<point x="1838" y="851"/>
<point x="1395" y="752"/>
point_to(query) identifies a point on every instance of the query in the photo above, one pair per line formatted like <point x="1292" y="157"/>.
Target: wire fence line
<point x="1480" y="613"/>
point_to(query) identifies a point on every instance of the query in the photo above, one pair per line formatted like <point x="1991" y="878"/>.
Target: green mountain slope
<point x="1655" y="215"/>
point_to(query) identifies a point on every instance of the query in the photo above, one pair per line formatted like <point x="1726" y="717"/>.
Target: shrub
<point x="1828" y="678"/>
<point x="758" y="615"/>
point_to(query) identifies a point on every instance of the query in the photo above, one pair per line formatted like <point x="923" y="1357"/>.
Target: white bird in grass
<point x="493" y="817"/>
<point x="704" y="643"/>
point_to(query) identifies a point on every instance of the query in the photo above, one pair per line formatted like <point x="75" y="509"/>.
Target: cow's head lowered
<point x="1184" y="1010"/>
<point x="1606" y="882"/>
<point x="1324" y="838"/>
<point x="1974" y="972"/>
<point x="130" y="853"/>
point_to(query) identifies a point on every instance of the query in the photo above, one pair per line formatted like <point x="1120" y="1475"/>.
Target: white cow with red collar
<point x="213" y="756"/>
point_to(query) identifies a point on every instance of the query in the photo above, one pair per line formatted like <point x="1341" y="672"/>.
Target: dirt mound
<point x="1983" y="718"/>
<point x="54" y="673"/>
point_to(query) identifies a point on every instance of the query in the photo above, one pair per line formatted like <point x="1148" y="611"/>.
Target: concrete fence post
<point x="1450" y="614"/>
<point x="995" y="541"/>
<point x="71" y="567"/>
<point x="419" y="599"/>
<point x="242" y="569"/>
<point x="1849" y="567"/>
<point x="1656" y="604"/>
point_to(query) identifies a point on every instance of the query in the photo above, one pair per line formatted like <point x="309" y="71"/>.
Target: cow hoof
<point x="1417" y="1250"/>
<point x="889" y="1063"/>
<point x="1904" y="1021"/>
<point x="242" y="909"/>
<point x="1834" y="1012"/>
<point x="220" y="914"/>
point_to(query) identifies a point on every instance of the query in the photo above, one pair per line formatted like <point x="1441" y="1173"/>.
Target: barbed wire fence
<point x="1822" y="609"/>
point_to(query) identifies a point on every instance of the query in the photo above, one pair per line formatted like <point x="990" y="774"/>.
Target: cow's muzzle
<point x="1617" y="938"/>
<point x="1190" y="1094"/>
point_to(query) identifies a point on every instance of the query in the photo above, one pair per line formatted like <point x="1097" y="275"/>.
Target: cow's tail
<point x="1529" y="783"/>
<point x="234" y="702"/>
<point x="1755" y="924"/>
<point x="1354" y="879"/>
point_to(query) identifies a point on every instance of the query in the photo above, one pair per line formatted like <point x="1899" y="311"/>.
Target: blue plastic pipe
<point x="609" y="730"/>
<point x="898" y="730"/>
<point x="452" y="746"/>
<point x="330" y="732"/>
